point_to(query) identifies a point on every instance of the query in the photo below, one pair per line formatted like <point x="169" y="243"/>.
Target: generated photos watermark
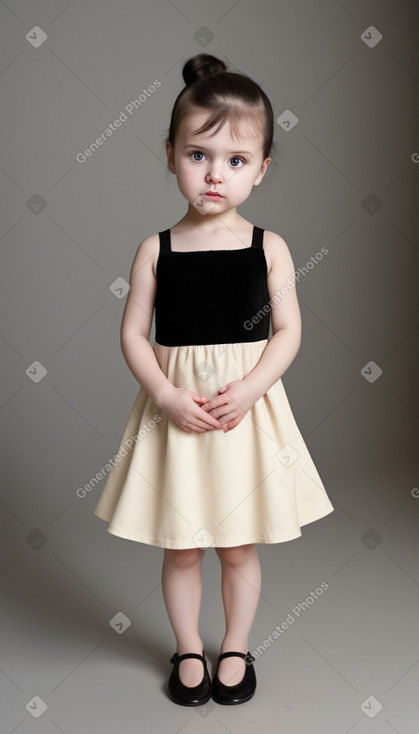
<point x="129" y="443"/>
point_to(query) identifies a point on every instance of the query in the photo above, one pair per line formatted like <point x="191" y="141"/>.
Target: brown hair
<point x="227" y="95"/>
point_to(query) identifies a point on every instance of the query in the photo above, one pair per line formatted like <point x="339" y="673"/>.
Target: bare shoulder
<point x="147" y="254"/>
<point x="139" y="306"/>
<point x="277" y="253"/>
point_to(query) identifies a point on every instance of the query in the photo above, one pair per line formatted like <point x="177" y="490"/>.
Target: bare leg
<point x="182" y="593"/>
<point x="241" y="584"/>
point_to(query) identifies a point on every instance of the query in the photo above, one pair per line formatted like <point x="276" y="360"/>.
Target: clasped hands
<point x="227" y="409"/>
<point x="231" y="404"/>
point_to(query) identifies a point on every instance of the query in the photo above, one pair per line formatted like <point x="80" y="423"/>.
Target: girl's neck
<point x="209" y="223"/>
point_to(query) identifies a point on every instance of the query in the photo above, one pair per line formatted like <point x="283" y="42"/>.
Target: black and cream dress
<point x="257" y="483"/>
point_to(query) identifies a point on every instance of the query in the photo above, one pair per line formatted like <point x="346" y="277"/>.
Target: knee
<point x="184" y="557"/>
<point x="236" y="555"/>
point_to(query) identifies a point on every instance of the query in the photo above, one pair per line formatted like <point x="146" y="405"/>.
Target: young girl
<point x="211" y="455"/>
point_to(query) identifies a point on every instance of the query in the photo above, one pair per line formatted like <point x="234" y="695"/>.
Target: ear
<point x="170" y="156"/>
<point x="262" y="171"/>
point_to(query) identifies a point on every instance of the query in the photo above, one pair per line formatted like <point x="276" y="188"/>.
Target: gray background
<point x="345" y="177"/>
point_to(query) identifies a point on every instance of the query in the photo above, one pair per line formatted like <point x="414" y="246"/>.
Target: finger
<point x="229" y="426"/>
<point x="216" y="402"/>
<point x="228" y="418"/>
<point x="206" y="426"/>
<point x="234" y="423"/>
<point x="211" y="419"/>
<point x="216" y="412"/>
<point x="199" y="398"/>
<point x="218" y="408"/>
<point x="195" y="428"/>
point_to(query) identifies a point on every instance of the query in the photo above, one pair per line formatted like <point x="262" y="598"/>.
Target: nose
<point x="213" y="174"/>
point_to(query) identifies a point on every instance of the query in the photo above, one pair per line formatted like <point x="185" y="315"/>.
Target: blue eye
<point x="199" y="152"/>
<point x="236" y="158"/>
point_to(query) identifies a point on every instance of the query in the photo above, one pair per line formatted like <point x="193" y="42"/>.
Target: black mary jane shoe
<point x="189" y="695"/>
<point x="242" y="691"/>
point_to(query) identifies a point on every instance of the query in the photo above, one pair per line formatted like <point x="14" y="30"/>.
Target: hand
<point x="183" y="406"/>
<point x="231" y="404"/>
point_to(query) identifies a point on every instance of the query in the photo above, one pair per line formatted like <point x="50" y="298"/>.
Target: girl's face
<point x="218" y="163"/>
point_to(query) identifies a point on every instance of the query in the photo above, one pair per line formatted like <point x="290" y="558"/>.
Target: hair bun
<point x="201" y="65"/>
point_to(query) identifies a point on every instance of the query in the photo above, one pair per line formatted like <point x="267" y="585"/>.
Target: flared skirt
<point x="256" y="483"/>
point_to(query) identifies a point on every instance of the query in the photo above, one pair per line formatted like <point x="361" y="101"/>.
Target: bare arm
<point x="136" y="325"/>
<point x="282" y="348"/>
<point x="181" y="404"/>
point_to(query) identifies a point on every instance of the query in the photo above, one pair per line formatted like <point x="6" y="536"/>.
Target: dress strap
<point x="257" y="238"/>
<point x="165" y="244"/>
<point x="165" y="241"/>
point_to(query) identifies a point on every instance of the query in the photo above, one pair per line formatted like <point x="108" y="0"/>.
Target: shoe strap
<point x="246" y="656"/>
<point x="178" y="658"/>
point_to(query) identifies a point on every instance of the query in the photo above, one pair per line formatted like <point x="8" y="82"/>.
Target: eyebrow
<point x="201" y="147"/>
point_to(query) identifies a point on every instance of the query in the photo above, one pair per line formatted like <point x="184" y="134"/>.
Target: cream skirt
<point x="171" y="488"/>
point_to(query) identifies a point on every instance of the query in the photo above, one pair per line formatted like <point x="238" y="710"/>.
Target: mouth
<point x="213" y="195"/>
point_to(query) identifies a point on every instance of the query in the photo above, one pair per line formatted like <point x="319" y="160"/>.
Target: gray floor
<point x="346" y="662"/>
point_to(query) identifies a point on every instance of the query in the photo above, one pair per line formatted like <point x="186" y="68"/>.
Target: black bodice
<point x="211" y="296"/>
